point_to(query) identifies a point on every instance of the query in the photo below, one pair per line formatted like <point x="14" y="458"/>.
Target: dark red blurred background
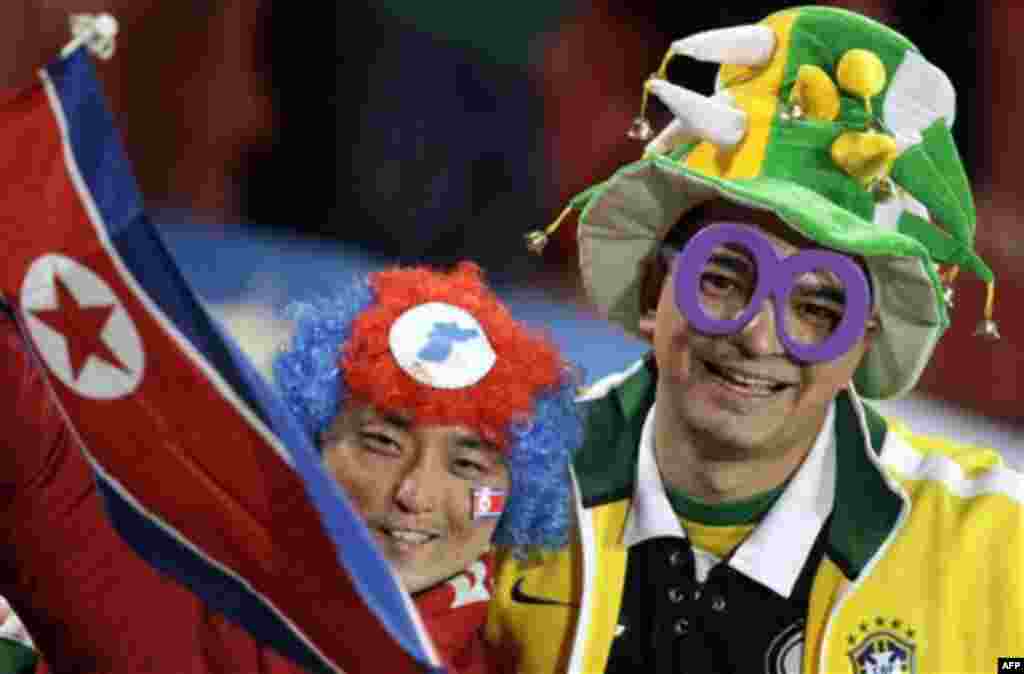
<point x="432" y="133"/>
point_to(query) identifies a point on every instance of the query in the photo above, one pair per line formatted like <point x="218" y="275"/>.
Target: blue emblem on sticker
<point x="441" y="346"/>
<point x="439" y="342"/>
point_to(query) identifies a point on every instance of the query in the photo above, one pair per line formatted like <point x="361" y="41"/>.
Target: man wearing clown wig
<point x="448" y="423"/>
<point x="788" y="245"/>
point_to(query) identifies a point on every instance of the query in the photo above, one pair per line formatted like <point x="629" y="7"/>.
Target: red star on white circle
<point x="82" y="327"/>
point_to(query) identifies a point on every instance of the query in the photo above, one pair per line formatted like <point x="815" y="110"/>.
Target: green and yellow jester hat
<point x="837" y="125"/>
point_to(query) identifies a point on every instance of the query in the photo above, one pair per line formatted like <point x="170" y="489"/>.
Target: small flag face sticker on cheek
<point x="488" y="502"/>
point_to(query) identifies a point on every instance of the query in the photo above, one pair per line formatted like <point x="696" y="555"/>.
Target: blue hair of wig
<point x="540" y="451"/>
<point x="538" y="509"/>
<point x="307" y="371"/>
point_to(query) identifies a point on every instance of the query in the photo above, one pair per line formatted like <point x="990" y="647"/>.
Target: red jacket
<point x="92" y="606"/>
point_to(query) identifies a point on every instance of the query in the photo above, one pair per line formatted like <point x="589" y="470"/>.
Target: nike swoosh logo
<point x="521" y="597"/>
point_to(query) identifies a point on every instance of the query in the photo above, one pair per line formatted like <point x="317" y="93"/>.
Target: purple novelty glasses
<point x="726" y="271"/>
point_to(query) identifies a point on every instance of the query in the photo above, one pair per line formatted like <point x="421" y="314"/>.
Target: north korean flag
<point x="488" y="502"/>
<point x="203" y="471"/>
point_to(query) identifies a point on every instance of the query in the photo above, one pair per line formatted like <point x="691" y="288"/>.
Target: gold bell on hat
<point x="640" y="128"/>
<point x="987" y="327"/>
<point x="948" y="277"/>
<point x="948" y="296"/>
<point x="882" y="189"/>
<point x="537" y="239"/>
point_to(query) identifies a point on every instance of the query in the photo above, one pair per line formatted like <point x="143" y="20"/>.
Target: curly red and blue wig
<point x="523" y="405"/>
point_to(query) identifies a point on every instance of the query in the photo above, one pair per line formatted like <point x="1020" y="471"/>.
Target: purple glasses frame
<point x="776" y="277"/>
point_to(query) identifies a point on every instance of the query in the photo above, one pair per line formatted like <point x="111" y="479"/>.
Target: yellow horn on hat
<point x="865" y="155"/>
<point x="815" y="93"/>
<point x="861" y="73"/>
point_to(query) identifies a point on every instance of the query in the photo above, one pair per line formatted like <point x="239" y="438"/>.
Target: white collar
<point x="776" y="550"/>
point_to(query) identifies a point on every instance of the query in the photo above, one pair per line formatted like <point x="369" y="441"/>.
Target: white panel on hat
<point x="919" y="94"/>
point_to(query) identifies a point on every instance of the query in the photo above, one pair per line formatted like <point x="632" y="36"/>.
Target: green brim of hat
<point x="627" y="216"/>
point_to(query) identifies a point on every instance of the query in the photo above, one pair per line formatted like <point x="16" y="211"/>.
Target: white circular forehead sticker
<point x="441" y="345"/>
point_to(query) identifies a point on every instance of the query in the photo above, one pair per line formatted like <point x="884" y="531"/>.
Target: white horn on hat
<point x="747" y="45"/>
<point x="677" y="133"/>
<point x="672" y="136"/>
<point x="712" y="119"/>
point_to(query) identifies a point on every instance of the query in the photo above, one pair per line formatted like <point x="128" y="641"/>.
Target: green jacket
<point x="925" y="545"/>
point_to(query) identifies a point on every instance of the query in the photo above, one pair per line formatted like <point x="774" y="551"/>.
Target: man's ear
<point x="872" y="331"/>
<point x="654" y="271"/>
<point x="645" y="326"/>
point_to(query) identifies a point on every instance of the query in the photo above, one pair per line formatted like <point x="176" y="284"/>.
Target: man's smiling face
<point x="742" y="395"/>
<point x="412" y="485"/>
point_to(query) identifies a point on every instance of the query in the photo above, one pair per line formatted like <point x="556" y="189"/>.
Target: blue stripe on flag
<point x="103" y="164"/>
<point x="355" y="548"/>
<point x="221" y="591"/>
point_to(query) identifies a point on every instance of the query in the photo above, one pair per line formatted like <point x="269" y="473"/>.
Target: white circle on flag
<point x="441" y="345"/>
<point x="81" y="329"/>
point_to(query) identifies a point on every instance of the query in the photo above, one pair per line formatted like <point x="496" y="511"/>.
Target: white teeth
<point x="739" y="379"/>
<point x="408" y="536"/>
<point x="750" y="381"/>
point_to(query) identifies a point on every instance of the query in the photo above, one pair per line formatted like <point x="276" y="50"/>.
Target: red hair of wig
<point x="525" y="364"/>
